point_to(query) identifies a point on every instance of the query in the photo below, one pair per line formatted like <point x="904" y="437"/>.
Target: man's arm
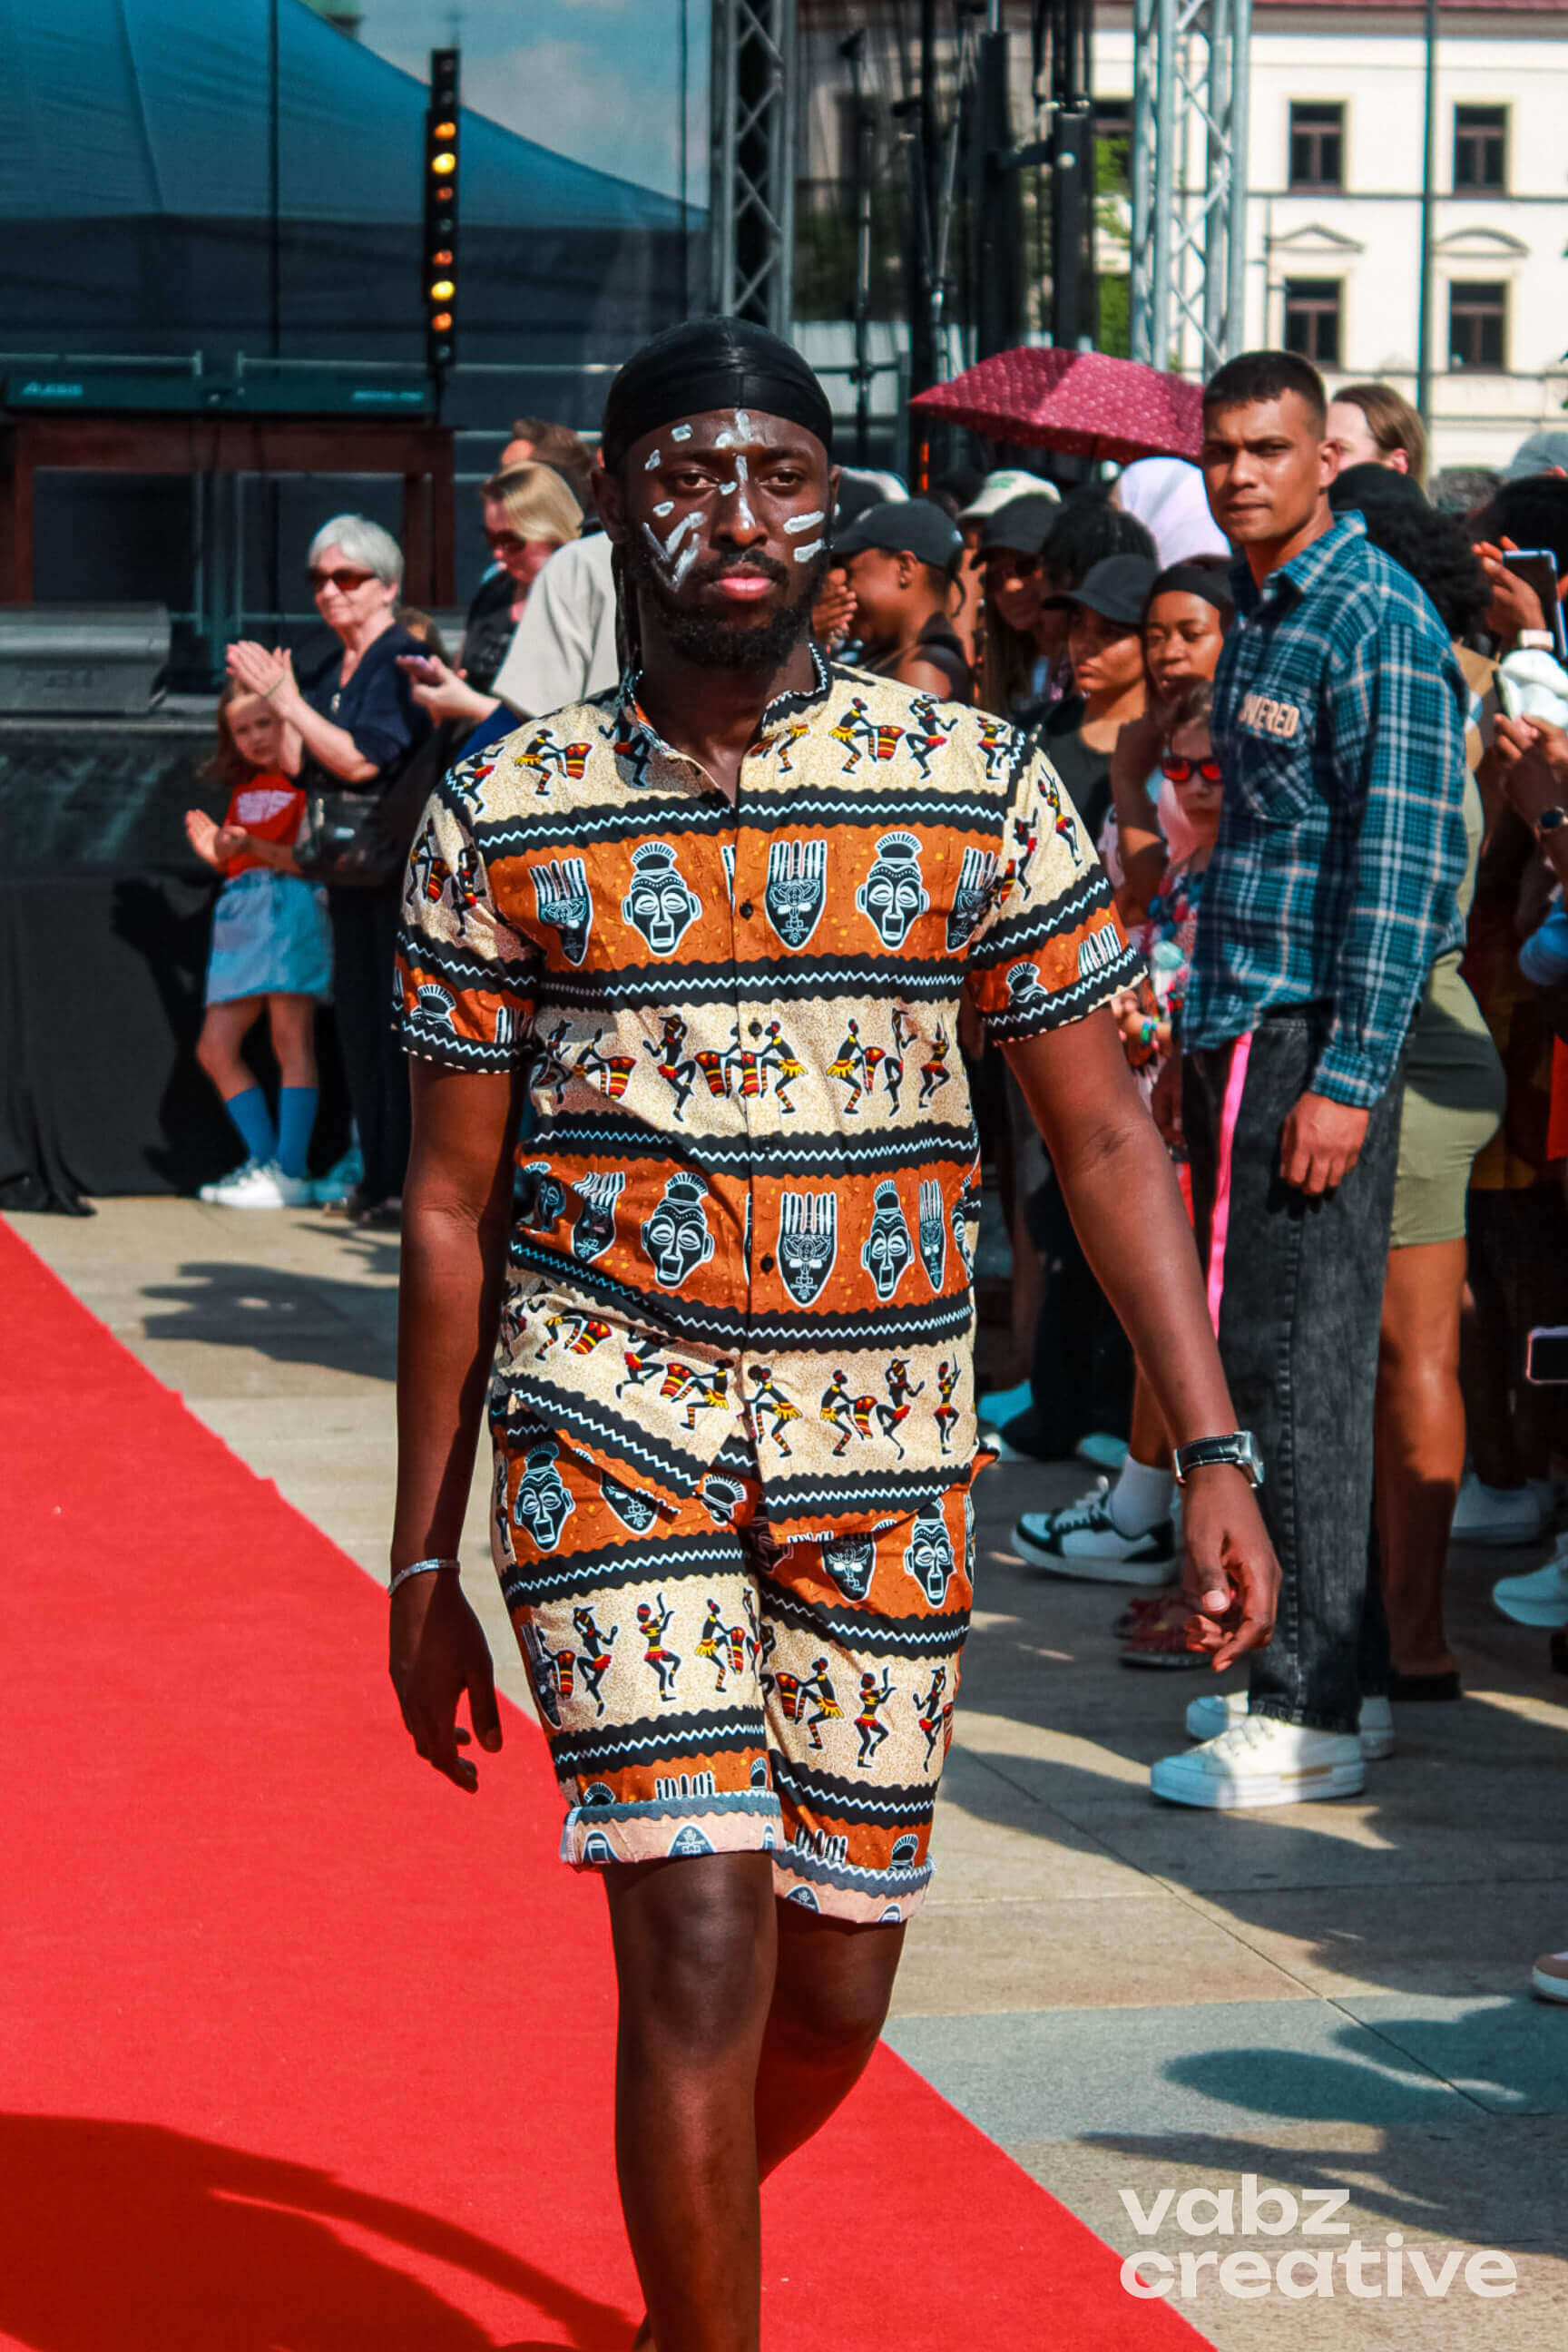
<point x="1399" y="733"/>
<point x="1532" y="760"/>
<point x="552" y="659"/>
<point x="456" y="1208"/>
<point x="1128" y="1213"/>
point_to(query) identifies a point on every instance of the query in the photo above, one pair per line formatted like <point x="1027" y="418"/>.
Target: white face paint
<point x="744" y="515"/>
<point x="669" y="558"/>
<point x="738" y="429"/>
<point x="680" y="432"/>
<point x="804" y="554"/>
<point x="652" y="463"/>
<point x="665" y="506"/>
<point x="803" y="522"/>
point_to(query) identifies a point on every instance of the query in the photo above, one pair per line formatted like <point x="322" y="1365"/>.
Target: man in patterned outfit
<point x="736" y="861"/>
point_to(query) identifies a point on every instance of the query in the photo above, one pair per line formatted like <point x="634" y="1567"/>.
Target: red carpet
<point x="301" y="2050"/>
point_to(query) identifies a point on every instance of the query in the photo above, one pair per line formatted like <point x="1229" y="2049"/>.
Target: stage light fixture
<point x="439" y="276"/>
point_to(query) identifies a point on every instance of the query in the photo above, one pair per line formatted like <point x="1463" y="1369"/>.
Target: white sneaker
<point x="1500" y="1514"/>
<point x="1541" y="1598"/>
<point x="1549" y="1977"/>
<point x="259" y="1184"/>
<point x="1084" y="1540"/>
<point x="1261" y="1761"/>
<point x="1218" y="1710"/>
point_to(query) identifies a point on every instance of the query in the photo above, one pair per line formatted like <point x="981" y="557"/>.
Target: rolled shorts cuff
<point x="746" y="1820"/>
<point x="595" y="1836"/>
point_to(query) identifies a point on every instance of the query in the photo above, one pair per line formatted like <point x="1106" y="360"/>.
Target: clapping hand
<point x="260" y="670"/>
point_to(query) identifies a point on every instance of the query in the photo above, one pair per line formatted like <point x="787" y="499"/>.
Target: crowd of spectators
<point x="327" y="773"/>
<point x="1312" y="709"/>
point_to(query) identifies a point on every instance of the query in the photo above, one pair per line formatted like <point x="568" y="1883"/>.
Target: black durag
<point x="705" y="363"/>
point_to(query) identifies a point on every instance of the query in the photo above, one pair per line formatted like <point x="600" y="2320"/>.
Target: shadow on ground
<point x="121" y="2237"/>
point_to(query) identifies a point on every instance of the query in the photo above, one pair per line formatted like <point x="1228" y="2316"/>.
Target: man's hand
<point x="1515" y="606"/>
<point x="833" y="613"/>
<point x="438" y="1651"/>
<point x="1321" y="1144"/>
<point x="1532" y="760"/>
<point x="445" y="692"/>
<point x="1231" y="1577"/>
<point x="1165" y="1103"/>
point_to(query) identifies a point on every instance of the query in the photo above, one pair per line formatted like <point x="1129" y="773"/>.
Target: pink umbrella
<point x="1084" y="402"/>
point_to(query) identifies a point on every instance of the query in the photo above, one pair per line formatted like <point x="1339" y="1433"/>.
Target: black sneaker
<point x="1085" y="1541"/>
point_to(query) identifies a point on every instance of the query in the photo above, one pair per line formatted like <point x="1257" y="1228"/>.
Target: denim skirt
<point x="270" y="937"/>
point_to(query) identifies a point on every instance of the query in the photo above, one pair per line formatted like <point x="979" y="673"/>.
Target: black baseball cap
<point x="1116" y="588"/>
<point x="901" y="526"/>
<point x="1022" y="526"/>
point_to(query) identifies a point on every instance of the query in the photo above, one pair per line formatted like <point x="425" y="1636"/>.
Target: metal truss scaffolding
<point x="753" y="165"/>
<point x="1191" y="63"/>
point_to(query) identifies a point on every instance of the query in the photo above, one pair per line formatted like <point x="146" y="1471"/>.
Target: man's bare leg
<point x="733" y="2006"/>
<point x="831" y="1992"/>
<point x="695" y="1941"/>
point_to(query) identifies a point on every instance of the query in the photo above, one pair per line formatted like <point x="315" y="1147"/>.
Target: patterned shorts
<point x="706" y="1690"/>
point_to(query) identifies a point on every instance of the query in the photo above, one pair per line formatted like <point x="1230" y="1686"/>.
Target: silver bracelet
<point x="417" y="1567"/>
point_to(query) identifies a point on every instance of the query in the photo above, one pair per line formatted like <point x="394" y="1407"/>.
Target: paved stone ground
<point x="1128" y="1997"/>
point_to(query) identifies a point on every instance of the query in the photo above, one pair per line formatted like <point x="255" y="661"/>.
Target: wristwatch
<point x="1240" y="1450"/>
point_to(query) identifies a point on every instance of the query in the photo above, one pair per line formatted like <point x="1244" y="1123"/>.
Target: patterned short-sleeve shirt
<point x="747" y="1199"/>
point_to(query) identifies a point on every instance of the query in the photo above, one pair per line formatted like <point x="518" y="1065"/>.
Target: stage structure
<point x="1190" y="66"/>
<point x="754" y="135"/>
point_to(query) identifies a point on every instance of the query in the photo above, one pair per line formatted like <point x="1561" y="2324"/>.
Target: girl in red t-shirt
<point x="271" y="952"/>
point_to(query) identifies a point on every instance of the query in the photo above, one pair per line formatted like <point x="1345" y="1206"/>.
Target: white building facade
<point x="1335" y="144"/>
<point x="1336" y="148"/>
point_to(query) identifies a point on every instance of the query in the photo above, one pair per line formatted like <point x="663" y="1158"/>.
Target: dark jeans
<point x="1298" y="1324"/>
<point x="364" y="937"/>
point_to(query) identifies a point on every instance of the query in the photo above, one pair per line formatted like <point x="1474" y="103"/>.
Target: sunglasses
<point x="1182" y="771"/>
<point x="1001" y="559"/>
<point x="347" y="582"/>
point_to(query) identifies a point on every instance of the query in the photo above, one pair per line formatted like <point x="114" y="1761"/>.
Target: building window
<point x="1480" y="147"/>
<point x="1313" y="319"/>
<point x="1317" y="146"/>
<point x="1477" y="326"/>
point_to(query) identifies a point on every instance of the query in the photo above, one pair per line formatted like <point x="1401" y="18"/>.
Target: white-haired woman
<point x="358" y="727"/>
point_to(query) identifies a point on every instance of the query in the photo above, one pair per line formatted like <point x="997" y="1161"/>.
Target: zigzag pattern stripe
<point x="764" y="985"/>
<point x="608" y="1431"/>
<point x="1065" y="1004"/>
<point x="1015" y="935"/>
<point x="832" y="1792"/>
<point x="783" y="1155"/>
<point x="875" y="1330"/>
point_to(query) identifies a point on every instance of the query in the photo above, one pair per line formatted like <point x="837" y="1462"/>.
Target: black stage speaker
<point x="82" y="660"/>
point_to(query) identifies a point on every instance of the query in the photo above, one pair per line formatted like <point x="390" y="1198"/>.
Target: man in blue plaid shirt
<point x="1338" y="721"/>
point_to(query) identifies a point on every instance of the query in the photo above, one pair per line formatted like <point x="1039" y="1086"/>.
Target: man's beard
<point x="709" y="640"/>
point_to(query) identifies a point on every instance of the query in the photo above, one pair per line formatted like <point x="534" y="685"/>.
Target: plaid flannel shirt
<point x="1338" y="719"/>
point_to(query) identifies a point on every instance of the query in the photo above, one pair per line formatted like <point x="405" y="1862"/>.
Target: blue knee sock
<point x="254" y="1120"/>
<point x="296" y="1118"/>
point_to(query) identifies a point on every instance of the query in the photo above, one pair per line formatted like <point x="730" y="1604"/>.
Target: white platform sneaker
<point x="1218" y="1710"/>
<point x="1259" y="1761"/>
<point x="259" y="1184"/>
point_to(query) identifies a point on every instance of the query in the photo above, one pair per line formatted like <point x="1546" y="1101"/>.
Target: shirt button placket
<point x="748" y="886"/>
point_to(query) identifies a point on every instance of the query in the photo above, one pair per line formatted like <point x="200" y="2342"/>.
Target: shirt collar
<point x="632" y="724"/>
<point x="1304" y="572"/>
